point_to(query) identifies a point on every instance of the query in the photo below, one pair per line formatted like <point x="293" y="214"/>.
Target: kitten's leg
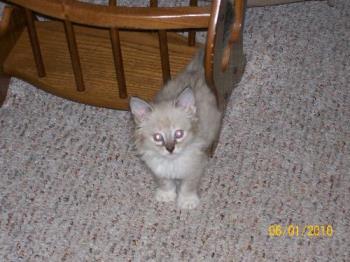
<point x="166" y="190"/>
<point x="188" y="196"/>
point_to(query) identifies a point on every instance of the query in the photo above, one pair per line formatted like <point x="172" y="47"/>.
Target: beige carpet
<point x="72" y="189"/>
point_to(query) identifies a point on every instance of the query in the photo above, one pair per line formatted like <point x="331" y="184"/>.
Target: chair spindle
<point x="74" y="55"/>
<point x="34" y="41"/>
<point x="118" y="58"/>
<point x="192" y="33"/>
<point x="163" y="46"/>
<point x="164" y="54"/>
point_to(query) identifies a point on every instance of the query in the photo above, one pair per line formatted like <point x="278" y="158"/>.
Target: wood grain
<point x="142" y="65"/>
<point x="163" y="48"/>
<point x="210" y="46"/>
<point x="121" y="17"/>
<point x="34" y="41"/>
<point x="12" y="24"/>
<point x="192" y="33"/>
<point x="118" y="58"/>
<point x="118" y="62"/>
<point x="164" y="55"/>
<point x="222" y="81"/>
<point x="235" y="33"/>
<point x="112" y="2"/>
<point x="74" y="55"/>
<point x="4" y="85"/>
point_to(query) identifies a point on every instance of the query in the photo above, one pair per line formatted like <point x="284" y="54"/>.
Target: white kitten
<point x="174" y="133"/>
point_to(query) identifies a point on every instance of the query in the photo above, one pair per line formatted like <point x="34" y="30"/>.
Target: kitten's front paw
<point x="165" y="196"/>
<point x="188" y="201"/>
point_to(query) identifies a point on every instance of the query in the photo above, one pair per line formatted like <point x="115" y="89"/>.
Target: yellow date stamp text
<point x="292" y="230"/>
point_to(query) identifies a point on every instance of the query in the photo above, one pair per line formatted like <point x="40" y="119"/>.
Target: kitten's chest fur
<point x="175" y="167"/>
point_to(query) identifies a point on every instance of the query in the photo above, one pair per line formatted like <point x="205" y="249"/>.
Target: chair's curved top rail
<point x="120" y="17"/>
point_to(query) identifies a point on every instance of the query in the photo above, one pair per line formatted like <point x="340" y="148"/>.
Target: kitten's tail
<point x="197" y="62"/>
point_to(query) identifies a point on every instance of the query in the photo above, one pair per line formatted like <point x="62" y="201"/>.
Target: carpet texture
<point x="72" y="189"/>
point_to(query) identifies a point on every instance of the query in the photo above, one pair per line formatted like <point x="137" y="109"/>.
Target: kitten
<point x="174" y="132"/>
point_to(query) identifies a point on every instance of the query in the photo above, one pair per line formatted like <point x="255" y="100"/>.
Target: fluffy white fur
<point x="186" y="104"/>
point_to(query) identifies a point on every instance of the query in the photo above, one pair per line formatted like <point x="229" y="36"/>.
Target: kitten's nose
<point x="170" y="147"/>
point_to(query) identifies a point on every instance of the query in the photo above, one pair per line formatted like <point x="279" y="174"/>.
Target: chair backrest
<point x="251" y="3"/>
<point x="133" y="18"/>
<point x="115" y="18"/>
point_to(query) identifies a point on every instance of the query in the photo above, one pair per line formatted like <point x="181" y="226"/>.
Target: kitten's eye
<point x="179" y="134"/>
<point x="158" y="137"/>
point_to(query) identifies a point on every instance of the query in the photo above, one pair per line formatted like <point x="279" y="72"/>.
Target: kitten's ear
<point x="139" y="108"/>
<point x="186" y="100"/>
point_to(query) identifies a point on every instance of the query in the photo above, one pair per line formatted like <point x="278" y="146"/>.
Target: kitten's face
<point x="166" y="128"/>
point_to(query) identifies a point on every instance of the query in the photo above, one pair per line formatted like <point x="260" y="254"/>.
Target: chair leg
<point x="238" y="61"/>
<point x="12" y="23"/>
<point x="4" y="84"/>
<point x="331" y="2"/>
<point x="212" y="148"/>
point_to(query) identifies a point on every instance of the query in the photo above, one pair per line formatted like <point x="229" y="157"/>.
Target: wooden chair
<point x="252" y="3"/>
<point x="101" y="55"/>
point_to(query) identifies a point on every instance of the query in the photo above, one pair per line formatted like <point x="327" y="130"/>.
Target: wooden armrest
<point x="120" y="17"/>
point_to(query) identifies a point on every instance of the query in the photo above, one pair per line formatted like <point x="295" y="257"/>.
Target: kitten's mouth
<point x="171" y="154"/>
